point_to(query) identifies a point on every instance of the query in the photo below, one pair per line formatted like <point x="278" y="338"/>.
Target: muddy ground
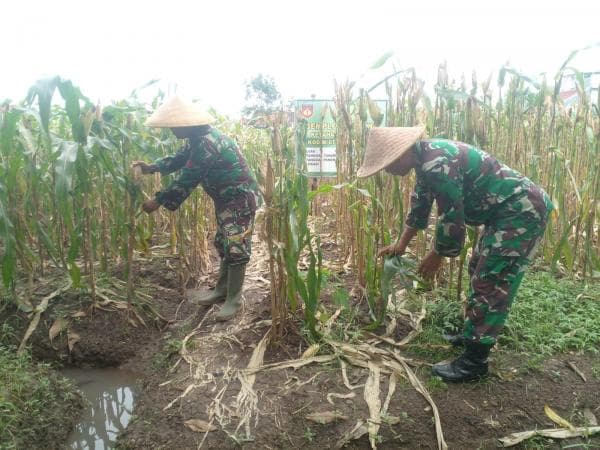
<point x="190" y="366"/>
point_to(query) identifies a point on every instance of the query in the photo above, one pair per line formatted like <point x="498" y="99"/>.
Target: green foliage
<point x="34" y="402"/>
<point x="553" y="315"/>
<point x="549" y="315"/>
<point x="309" y="435"/>
<point x="298" y="236"/>
<point x="262" y="96"/>
<point x="395" y="267"/>
<point x="436" y="384"/>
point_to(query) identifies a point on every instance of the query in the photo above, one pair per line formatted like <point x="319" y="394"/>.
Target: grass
<point x="37" y="407"/>
<point x="550" y="315"/>
<point x="553" y="315"/>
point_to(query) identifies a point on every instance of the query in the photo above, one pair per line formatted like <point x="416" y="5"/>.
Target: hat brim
<point x="177" y="112"/>
<point x="385" y="145"/>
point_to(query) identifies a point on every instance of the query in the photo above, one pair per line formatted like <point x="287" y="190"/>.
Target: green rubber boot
<point x="235" y="280"/>
<point x="217" y="295"/>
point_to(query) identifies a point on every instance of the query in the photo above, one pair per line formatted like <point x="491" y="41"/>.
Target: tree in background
<point x="263" y="99"/>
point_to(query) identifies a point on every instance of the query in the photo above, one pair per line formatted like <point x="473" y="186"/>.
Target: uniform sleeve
<point x="170" y="164"/>
<point x="175" y="194"/>
<point x="420" y="205"/>
<point x="450" y="230"/>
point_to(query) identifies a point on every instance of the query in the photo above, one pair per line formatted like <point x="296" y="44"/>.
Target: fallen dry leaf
<point x="492" y="423"/>
<point x="200" y="426"/>
<point x="359" y="430"/>
<point x="57" y="327"/>
<point x="371" y="395"/>
<point x="554" y="417"/>
<point x="310" y="351"/>
<point x="326" y="417"/>
<point x="333" y="395"/>
<point x="552" y="433"/>
<point x="72" y="339"/>
<point x="575" y="369"/>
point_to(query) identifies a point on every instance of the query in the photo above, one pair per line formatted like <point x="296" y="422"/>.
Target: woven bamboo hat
<point x="385" y="145"/>
<point x="177" y="112"/>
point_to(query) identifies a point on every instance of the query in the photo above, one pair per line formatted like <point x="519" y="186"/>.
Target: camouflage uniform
<point x="471" y="187"/>
<point x="214" y="161"/>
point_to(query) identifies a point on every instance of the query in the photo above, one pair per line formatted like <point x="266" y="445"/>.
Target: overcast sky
<point x="208" y="49"/>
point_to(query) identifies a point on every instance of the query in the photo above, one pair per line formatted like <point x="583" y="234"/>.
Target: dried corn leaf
<point x="371" y="395"/>
<point x="188" y="389"/>
<point x="30" y="329"/>
<point x="311" y="351"/>
<point x="247" y="400"/>
<point x="575" y="369"/>
<point x="326" y="417"/>
<point x="199" y="425"/>
<point x="333" y="395"/>
<point x="358" y="431"/>
<point x="552" y="433"/>
<point x="294" y="364"/>
<point x="390" y="394"/>
<point x="554" y="417"/>
<point x="57" y="327"/>
<point x="421" y="389"/>
<point x="72" y="339"/>
<point x="78" y="314"/>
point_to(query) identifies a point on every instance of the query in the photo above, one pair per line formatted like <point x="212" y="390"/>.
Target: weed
<point x="596" y="370"/>
<point x="436" y="384"/>
<point x="35" y="404"/>
<point x="533" y="324"/>
<point x="535" y="363"/>
<point x="309" y="435"/>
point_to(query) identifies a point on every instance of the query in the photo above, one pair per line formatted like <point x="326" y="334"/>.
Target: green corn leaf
<point x="7" y="236"/>
<point x="382" y="60"/>
<point x="65" y="167"/>
<point x="43" y="90"/>
<point x="72" y="96"/>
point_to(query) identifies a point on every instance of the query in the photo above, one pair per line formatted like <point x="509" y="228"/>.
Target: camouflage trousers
<point x="499" y="261"/>
<point x="235" y="223"/>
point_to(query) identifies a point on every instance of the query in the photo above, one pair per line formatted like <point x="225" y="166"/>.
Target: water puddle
<point x="111" y="394"/>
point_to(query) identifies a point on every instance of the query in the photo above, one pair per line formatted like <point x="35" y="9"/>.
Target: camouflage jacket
<point x="469" y="186"/>
<point x="214" y="161"/>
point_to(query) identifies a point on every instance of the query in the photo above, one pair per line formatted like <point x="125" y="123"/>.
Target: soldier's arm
<point x="421" y="201"/>
<point x="180" y="189"/>
<point x="170" y="164"/>
<point x="450" y="229"/>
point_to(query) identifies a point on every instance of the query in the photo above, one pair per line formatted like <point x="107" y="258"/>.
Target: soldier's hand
<point x="151" y="205"/>
<point x="430" y="265"/>
<point x="146" y="168"/>
<point x="391" y="250"/>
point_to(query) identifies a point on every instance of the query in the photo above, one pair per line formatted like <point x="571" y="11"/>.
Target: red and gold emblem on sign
<point x="306" y="111"/>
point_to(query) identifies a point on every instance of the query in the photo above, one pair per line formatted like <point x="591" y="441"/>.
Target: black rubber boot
<point x="218" y="294"/>
<point x="457" y="340"/>
<point x="471" y="365"/>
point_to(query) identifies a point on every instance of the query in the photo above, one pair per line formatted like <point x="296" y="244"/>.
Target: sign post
<point x="321" y="134"/>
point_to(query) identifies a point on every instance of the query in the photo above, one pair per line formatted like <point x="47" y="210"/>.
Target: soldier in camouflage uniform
<point x="470" y="187"/>
<point x="212" y="160"/>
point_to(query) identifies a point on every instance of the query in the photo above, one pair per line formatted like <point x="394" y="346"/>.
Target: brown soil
<point x="201" y="382"/>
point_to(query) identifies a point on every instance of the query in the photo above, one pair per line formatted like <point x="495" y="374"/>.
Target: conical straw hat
<point x="177" y="112"/>
<point x="385" y="145"/>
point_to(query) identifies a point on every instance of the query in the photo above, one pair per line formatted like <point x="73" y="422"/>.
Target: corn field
<point x="69" y="202"/>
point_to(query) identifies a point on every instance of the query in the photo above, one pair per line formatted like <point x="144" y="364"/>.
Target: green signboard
<point x="321" y="134"/>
